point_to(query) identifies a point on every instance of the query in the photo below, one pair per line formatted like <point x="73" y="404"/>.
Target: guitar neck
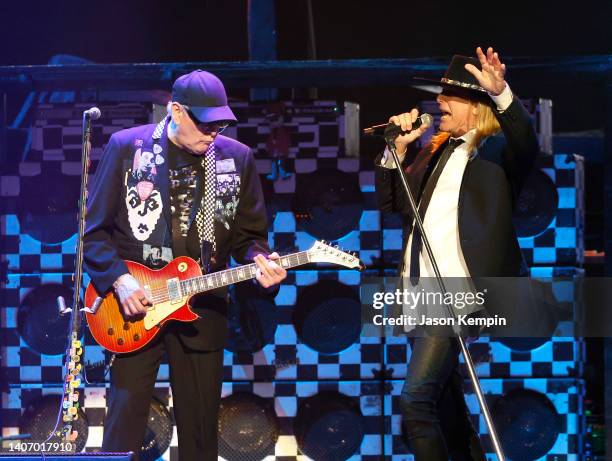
<point x="226" y="277"/>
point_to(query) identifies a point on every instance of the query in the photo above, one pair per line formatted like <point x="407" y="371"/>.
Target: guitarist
<point x="178" y="188"/>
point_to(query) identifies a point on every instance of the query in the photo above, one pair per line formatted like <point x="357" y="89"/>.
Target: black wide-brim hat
<point x="457" y="76"/>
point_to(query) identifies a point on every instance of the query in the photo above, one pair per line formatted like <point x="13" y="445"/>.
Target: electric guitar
<point x="170" y="289"/>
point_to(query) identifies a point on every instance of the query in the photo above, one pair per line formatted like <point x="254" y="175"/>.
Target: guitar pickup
<point x="174" y="290"/>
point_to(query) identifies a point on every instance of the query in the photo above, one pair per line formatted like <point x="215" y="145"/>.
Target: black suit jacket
<point x="489" y="189"/>
<point x="121" y="224"/>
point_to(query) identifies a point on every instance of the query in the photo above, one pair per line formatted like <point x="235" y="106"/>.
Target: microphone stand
<point x="390" y="138"/>
<point x="74" y="352"/>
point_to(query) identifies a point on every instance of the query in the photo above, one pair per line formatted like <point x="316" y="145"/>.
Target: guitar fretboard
<point x="237" y="274"/>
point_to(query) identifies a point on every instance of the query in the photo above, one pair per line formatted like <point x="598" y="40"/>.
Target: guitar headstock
<point x="321" y="252"/>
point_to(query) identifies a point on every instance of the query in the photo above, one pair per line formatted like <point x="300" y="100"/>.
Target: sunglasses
<point x="214" y="127"/>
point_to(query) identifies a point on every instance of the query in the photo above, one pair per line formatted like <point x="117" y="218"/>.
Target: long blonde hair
<point x="486" y="125"/>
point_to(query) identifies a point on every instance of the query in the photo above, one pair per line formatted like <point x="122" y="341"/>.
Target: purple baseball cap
<point x="205" y="96"/>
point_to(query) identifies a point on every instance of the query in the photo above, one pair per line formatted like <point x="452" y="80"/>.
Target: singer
<point x="162" y="191"/>
<point x="466" y="181"/>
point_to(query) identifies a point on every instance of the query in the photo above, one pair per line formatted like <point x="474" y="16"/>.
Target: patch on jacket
<point x="225" y="166"/>
<point x="144" y="167"/>
<point x="226" y="203"/>
<point x="142" y="199"/>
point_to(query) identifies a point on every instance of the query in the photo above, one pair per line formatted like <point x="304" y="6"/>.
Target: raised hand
<point x="491" y="77"/>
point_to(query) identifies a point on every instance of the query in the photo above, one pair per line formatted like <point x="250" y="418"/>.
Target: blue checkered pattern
<point x="20" y="362"/>
<point x="566" y="395"/>
<point x="55" y="149"/>
<point x="289" y="359"/>
<point x="562" y="242"/>
<point x="560" y="356"/>
<point x="316" y="128"/>
<point x="285" y="236"/>
<point x="287" y="398"/>
<point x="286" y="358"/>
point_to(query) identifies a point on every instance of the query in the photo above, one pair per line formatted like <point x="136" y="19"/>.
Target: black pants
<point x="434" y="414"/>
<point x="195" y="377"/>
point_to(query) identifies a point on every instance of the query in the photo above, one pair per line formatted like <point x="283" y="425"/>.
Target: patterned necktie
<point x="206" y="211"/>
<point x="417" y="240"/>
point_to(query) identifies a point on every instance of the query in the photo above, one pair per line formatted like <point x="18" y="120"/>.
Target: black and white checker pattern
<point x="20" y="362"/>
<point x="55" y="148"/>
<point x="289" y="359"/>
<point x="286" y="358"/>
<point x="285" y="234"/>
<point x="557" y="357"/>
<point x="566" y="395"/>
<point x="316" y="128"/>
<point x="92" y="400"/>
<point x="206" y="211"/>
<point x="562" y="242"/>
<point x="560" y="356"/>
<point x="286" y="396"/>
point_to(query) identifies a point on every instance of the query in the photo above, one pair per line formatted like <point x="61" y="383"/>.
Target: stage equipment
<point x="251" y="318"/>
<point x="74" y="350"/>
<point x="328" y="203"/>
<point x="248" y="427"/>
<point x="327" y="317"/>
<point x="528" y="424"/>
<point x="37" y="320"/>
<point x="549" y="214"/>
<point x="40" y="417"/>
<point x="329" y="426"/>
<point x="78" y="457"/>
<point x="536" y="418"/>
<point x="158" y="433"/>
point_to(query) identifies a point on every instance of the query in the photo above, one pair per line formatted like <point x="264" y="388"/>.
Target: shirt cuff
<point x="502" y="100"/>
<point x="387" y="160"/>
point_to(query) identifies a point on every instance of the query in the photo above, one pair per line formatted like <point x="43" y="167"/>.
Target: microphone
<point x="92" y="114"/>
<point x="393" y="130"/>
